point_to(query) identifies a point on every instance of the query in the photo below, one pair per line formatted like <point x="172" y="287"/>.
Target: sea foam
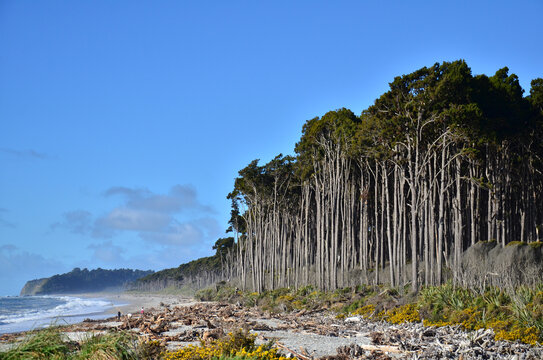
<point x="28" y="312"/>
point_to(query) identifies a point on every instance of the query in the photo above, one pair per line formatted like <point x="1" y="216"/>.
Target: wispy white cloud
<point x="124" y="218"/>
<point x="167" y="257"/>
<point x="76" y="222"/>
<point x="4" y="222"/>
<point x="18" y="266"/>
<point x="169" y="228"/>
<point x="156" y="256"/>
<point x="176" y="234"/>
<point x="8" y="248"/>
<point x="107" y="253"/>
<point x="180" y="198"/>
<point x="153" y="217"/>
<point x="32" y="154"/>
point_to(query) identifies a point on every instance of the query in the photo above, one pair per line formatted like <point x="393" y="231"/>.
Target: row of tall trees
<point x="442" y="160"/>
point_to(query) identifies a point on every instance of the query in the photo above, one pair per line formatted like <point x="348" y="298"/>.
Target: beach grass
<point x="51" y="343"/>
<point x="44" y="344"/>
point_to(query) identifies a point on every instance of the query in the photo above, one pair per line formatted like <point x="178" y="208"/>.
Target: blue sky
<point x="123" y="124"/>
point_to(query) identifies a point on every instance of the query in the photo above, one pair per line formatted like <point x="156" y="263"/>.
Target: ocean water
<point x="33" y="312"/>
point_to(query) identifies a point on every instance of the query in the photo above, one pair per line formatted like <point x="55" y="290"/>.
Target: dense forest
<point x="85" y="280"/>
<point x="442" y="160"/>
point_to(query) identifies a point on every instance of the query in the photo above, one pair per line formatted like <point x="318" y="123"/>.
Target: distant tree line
<point x="442" y="160"/>
<point x="196" y="274"/>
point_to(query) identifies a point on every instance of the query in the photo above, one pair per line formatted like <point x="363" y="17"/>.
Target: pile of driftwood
<point x="407" y="341"/>
<point x="416" y="341"/>
<point x="205" y="321"/>
<point x="203" y="317"/>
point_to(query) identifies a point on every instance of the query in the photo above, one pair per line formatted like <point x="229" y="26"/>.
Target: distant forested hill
<point x="84" y="280"/>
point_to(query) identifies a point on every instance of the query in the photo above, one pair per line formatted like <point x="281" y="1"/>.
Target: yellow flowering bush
<point x="528" y="335"/>
<point x="287" y="298"/>
<point x="260" y="353"/>
<point x="402" y="314"/>
<point x="238" y="345"/>
<point x="365" y="311"/>
<point x="503" y="329"/>
<point x="469" y="318"/>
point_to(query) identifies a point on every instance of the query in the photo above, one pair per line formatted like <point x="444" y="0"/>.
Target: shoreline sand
<point x="132" y="302"/>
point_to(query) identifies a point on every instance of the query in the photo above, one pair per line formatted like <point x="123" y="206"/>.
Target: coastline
<point x="132" y="302"/>
<point x="176" y="321"/>
<point x="114" y="302"/>
<point x="125" y="302"/>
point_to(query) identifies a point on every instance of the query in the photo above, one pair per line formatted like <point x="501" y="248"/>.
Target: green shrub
<point x="44" y="344"/>
<point x="52" y="344"/>
<point x="516" y="243"/>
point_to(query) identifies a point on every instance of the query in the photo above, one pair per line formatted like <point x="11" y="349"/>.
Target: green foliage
<point x="116" y="345"/>
<point x="52" y="344"/>
<point x="516" y="243"/>
<point x="536" y="94"/>
<point x="192" y="268"/>
<point x="223" y="245"/>
<point x="46" y="344"/>
<point x="488" y="241"/>
<point x="259" y="182"/>
<point x="219" y="292"/>
<point x="515" y="316"/>
<point x="288" y="299"/>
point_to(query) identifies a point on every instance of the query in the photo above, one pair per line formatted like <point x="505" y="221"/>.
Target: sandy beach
<point x="132" y="302"/>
